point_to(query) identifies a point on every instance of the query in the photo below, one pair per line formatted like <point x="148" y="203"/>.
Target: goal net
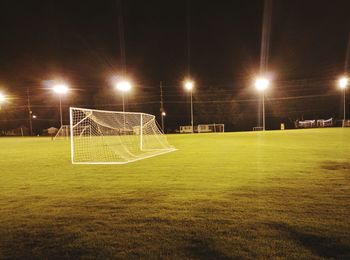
<point x="63" y="132"/>
<point x="110" y="137"/>
<point x="306" y="123"/>
<point x="325" y="123"/>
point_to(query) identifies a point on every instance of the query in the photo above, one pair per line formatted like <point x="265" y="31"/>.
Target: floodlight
<point x="262" y="84"/>
<point x="2" y="98"/>
<point x="34" y="116"/>
<point x="60" y="89"/>
<point x="124" y="86"/>
<point x="163" y="113"/>
<point x="189" y="85"/>
<point x="343" y="82"/>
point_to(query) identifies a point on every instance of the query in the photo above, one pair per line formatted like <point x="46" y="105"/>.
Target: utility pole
<point x="162" y="112"/>
<point x="29" y="113"/>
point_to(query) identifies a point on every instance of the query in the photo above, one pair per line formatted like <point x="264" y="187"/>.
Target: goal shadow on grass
<point x="199" y="248"/>
<point x="335" y="166"/>
<point x="322" y="246"/>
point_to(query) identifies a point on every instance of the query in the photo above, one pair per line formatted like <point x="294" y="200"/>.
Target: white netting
<point x="325" y="123"/>
<point x="114" y="137"/>
<point x="63" y="132"/>
<point x="306" y="123"/>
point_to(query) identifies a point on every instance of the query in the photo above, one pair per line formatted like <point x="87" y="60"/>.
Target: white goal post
<point x="111" y="137"/>
<point x="63" y="132"/>
<point x="325" y="123"/>
<point x="306" y="123"/>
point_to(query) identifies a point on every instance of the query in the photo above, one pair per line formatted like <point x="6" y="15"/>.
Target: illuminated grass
<point x="234" y="195"/>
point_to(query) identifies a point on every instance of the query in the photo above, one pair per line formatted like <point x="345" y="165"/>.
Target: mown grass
<point x="233" y="195"/>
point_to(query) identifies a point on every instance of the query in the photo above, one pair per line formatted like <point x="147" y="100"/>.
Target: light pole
<point x="163" y="115"/>
<point x="343" y="84"/>
<point x="123" y="86"/>
<point x="60" y="90"/>
<point x="189" y="85"/>
<point x="261" y="84"/>
<point x="2" y="99"/>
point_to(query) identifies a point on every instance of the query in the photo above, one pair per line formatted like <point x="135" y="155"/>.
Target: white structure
<point x="307" y="123"/>
<point x="186" y="129"/>
<point x="110" y="137"/>
<point x="258" y="128"/>
<point x="211" y="128"/>
<point x="63" y="132"/>
<point x="325" y="123"/>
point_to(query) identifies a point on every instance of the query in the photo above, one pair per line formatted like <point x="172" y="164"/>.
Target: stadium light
<point x="261" y="84"/>
<point x="343" y="83"/>
<point x="123" y="86"/>
<point x="189" y="85"/>
<point x="163" y="114"/>
<point x="2" y="98"/>
<point x="60" y="89"/>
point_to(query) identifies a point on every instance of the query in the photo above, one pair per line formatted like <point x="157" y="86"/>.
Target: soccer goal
<point x="325" y="123"/>
<point x="306" y="123"/>
<point x="110" y="137"/>
<point x="258" y="128"/>
<point x="211" y="128"/>
<point x="63" y="132"/>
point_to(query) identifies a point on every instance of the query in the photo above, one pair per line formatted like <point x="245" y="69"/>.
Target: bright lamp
<point x="262" y="84"/>
<point x="2" y="98"/>
<point x="343" y="82"/>
<point x="124" y="86"/>
<point x="189" y="85"/>
<point x="60" y="89"/>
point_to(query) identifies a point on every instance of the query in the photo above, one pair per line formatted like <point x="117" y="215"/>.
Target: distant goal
<point x="211" y="128"/>
<point x="63" y="132"/>
<point x="110" y="137"/>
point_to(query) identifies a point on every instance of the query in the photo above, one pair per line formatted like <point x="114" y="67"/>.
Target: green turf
<point x="234" y="195"/>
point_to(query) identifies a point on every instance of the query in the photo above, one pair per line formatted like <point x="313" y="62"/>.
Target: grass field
<point x="233" y="195"/>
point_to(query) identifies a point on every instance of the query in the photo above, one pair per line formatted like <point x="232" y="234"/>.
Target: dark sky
<point x="79" y="41"/>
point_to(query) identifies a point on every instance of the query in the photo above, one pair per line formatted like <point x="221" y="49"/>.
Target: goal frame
<point x="65" y="129"/>
<point x="71" y="127"/>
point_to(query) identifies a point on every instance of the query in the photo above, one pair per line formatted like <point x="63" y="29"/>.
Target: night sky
<point x="78" y="41"/>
